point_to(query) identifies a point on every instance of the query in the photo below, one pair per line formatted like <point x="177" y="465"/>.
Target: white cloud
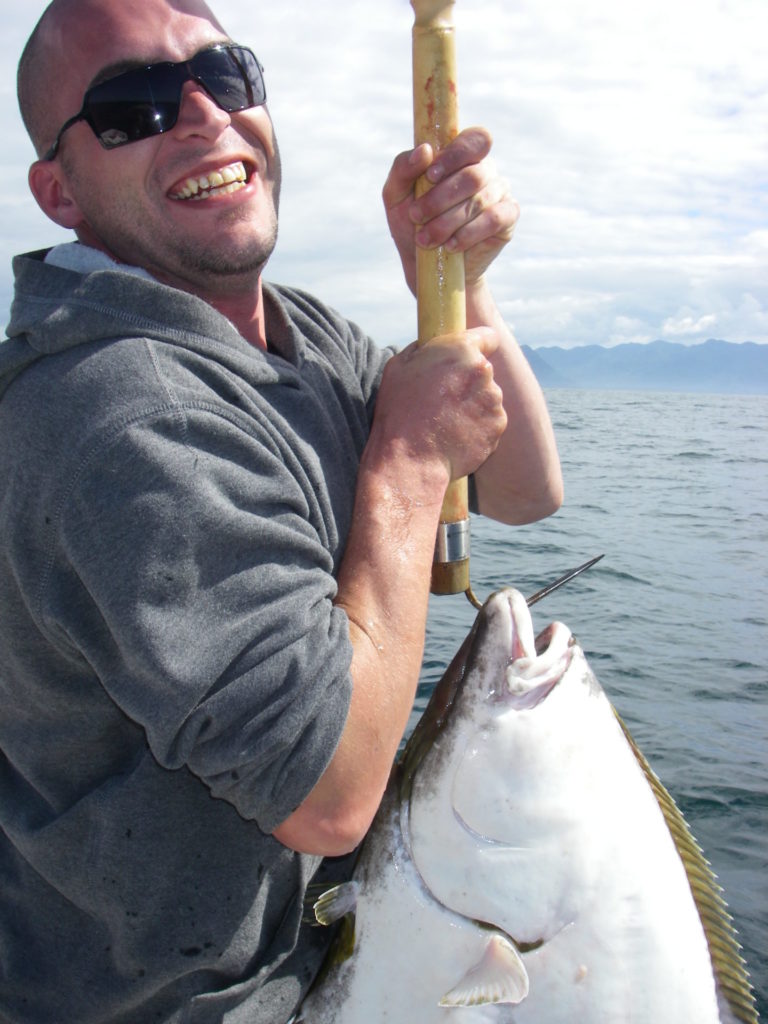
<point x="685" y="324"/>
<point x="634" y="135"/>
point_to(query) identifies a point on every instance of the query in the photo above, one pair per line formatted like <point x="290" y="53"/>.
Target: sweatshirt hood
<point x="55" y="309"/>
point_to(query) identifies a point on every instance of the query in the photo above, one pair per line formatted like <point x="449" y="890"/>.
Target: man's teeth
<point x="223" y="181"/>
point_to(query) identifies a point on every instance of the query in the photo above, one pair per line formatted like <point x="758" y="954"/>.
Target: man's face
<point x="132" y="200"/>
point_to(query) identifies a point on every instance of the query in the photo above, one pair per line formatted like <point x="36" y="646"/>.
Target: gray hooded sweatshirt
<point x="174" y="677"/>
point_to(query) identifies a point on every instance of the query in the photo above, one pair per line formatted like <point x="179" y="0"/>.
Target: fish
<point x="526" y="865"/>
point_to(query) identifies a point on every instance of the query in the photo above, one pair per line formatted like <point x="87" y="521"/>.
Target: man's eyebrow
<point x="119" y="67"/>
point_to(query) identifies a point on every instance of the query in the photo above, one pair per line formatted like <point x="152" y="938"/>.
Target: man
<point x="215" y="555"/>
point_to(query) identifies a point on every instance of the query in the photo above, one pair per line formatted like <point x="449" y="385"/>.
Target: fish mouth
<point x="536" y="663"/>
<point x="513" y="668"/>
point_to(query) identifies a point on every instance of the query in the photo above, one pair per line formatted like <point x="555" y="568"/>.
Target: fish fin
<point x="499" y="977"/>
<point x="336" y="902"/>
<point x="728" y="965"/>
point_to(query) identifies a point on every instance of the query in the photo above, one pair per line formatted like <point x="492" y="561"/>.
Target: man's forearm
<point x="383" y="587"/>
<point x="521" y="481"/>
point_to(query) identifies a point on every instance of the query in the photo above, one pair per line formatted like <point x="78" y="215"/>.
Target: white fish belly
<point x="409" y="950"/>
<point x="551" y="833"/>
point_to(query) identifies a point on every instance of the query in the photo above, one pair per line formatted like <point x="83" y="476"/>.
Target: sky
<point x="634" y="136"/>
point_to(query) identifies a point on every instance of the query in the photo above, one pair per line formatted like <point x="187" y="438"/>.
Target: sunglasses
<point x="146" y="101"/>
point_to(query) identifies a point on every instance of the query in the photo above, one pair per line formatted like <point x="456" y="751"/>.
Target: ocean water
<point x="673" y="490"/>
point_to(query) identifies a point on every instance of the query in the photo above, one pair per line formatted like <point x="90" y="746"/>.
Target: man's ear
<point x="49" y="186"/>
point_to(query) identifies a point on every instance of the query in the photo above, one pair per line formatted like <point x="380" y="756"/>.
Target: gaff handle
<point x="440" y="274"/>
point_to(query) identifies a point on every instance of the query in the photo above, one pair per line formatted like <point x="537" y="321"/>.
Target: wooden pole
<point x="440" y="274"/>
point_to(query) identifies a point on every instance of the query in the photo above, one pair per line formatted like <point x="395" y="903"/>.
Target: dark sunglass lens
<point x="134" y="105"/>
<point x="231" y="75"/>
<point x="145" y="101"/>
<point x="252" y="70"/>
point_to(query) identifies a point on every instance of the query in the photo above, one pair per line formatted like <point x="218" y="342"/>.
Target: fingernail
<point x="417" y="155"/>
<point x="435" y="173"/>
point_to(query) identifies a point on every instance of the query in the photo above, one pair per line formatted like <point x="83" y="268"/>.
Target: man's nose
<point x="199" y="114"/>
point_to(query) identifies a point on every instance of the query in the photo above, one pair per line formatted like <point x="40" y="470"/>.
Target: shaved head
<point x="31" y="72"/>
<point x="44" y="61"/>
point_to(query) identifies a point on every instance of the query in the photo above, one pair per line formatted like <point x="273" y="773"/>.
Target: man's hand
<point x="438" y="403"/>
<point x="468" y="209"/>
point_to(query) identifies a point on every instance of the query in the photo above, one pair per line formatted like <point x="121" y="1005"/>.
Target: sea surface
<point x="673" y="490"/>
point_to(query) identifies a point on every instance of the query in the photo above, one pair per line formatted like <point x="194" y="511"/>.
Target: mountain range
<point x="713" y="366"/>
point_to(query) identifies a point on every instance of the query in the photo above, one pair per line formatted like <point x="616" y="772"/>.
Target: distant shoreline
<point x="711" y="367"/>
